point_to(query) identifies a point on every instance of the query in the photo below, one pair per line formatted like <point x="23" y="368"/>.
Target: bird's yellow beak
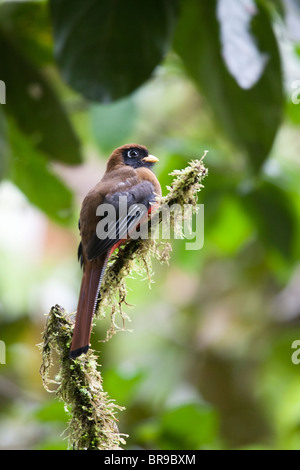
<point x="150" y="158"/>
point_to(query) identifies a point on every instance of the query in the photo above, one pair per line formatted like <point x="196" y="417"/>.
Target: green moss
<point x="79" y="385"/>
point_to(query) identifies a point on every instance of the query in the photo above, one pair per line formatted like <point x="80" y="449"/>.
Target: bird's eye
<point x="133" y="153"/>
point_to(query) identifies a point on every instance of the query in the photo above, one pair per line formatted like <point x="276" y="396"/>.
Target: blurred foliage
<point x="208" y="363"/>
<point x="89" y="60"/>
<point x="250" y="126"/>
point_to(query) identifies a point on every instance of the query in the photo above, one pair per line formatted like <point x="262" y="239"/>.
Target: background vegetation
<point x="208" y="362"/>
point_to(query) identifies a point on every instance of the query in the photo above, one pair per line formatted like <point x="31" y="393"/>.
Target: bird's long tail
<point x="88" y="297"/>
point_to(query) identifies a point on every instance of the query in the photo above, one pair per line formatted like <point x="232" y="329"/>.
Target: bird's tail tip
<point x="74" y="353"/>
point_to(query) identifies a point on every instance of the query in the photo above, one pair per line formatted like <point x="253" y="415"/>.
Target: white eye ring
<point x="132" y="153"/>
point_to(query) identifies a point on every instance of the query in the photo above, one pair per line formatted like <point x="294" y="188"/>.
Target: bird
<point x="128" y="177"/>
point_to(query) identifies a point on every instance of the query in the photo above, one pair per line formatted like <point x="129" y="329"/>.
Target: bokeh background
<point x="207" y="363"/>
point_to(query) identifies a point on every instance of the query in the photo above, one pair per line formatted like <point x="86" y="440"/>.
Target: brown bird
<point x="128" y="177"/>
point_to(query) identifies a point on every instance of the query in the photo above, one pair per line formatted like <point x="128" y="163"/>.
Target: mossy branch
<point x="78" y="383"/>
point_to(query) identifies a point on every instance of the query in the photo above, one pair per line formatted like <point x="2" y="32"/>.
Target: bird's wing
<point x="118" y="224"/>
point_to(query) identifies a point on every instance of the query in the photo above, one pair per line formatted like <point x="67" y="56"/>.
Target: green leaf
<point x="271" y="211"/>
<point x="51" y="411"/>
<point x="30" y="171"/>
<point x="292" y="110"/>
<point x="29" y="24"/>
<point x="276" y="7"/>
<point x="108" y="49"/>
<point x="34" y="105"/>
<point x="231" y="228"/>
<point x="249" y="117"/>
<point x="121" y="385"/>
<point x="189" y="426"/>
<point x="112" y="123"/>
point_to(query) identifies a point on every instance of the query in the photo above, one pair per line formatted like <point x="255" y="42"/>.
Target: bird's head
<point x="133" y="155"/>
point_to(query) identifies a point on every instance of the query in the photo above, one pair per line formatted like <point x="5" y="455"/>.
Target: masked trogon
<point x="128" y="178"/>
